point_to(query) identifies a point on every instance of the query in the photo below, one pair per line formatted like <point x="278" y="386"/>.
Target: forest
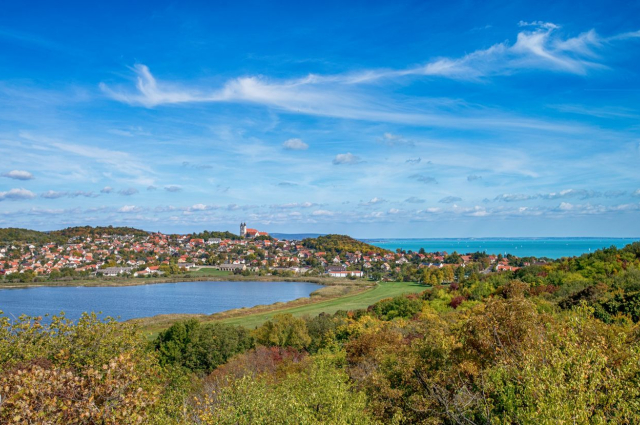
<point x="12" y="234"/>
<point x="340" y="244"/>
<point x="547" y="344"/>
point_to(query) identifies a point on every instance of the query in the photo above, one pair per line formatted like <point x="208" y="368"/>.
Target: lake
<point x="522" y="247"/>
<point x="129" y="302"/>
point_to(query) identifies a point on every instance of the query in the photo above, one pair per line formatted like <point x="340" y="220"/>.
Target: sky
<point x="373" y="119"/>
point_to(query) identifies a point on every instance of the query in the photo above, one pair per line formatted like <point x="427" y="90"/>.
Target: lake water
<point x="522" y="247"/>
<point x="128" y="302"/>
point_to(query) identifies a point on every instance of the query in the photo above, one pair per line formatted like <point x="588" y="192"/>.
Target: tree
<point x="201" y="348"/>
<point x="283" y="330"/>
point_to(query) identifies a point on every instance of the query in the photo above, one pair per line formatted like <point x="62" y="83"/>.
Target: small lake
<point x="129" y="302"/>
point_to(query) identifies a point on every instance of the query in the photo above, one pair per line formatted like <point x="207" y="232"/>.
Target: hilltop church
<point x="250" y="233"/>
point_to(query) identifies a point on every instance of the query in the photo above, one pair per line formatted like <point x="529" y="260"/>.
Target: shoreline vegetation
<point x="116" y="282"/>
<point x="327" y="300"/>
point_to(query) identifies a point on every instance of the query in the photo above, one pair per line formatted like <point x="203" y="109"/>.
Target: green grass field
<point x="349" y="302"/>
<point x="209" y="272"/>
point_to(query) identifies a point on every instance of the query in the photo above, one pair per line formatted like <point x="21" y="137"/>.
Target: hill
<point x="84" y="231"/>
<point x="13" y="234"/>
<point x="341" y="244"/>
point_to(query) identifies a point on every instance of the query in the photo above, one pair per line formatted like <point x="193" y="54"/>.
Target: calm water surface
<point x="128" y="302"/>
<point x="522" y="247"/>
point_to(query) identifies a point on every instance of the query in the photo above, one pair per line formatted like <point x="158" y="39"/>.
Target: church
<point x="250" y="233"/>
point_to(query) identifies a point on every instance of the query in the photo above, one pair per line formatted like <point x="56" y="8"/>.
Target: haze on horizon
<point x="410" y="119"/>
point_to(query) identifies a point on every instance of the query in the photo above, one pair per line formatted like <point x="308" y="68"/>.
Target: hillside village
<point x="140" y="254"/>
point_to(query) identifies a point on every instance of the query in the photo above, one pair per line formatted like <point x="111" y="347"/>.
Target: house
<point x="343" y="272"/>
<point x="115" y="271"/>
<point x="232" y="267"/>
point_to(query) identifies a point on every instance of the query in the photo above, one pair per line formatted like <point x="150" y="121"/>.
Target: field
<point x="349" y="302"/>
<point x="209" y="272"/>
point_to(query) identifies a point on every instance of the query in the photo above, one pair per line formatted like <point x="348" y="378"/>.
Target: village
<point x="251" y="253"/>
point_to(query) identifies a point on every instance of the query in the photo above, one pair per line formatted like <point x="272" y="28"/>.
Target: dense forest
<point x="208" y="234"/>
<point x="11" y="234"/>
<point x="340" y="244"/>
<point x="547" y="344"/>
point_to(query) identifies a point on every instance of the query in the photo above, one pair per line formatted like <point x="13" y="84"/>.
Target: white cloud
<point x="346" y="158"/>
<point x="130" y="209"/>
<point x="17" y="194"/>
<point x="18" y="175"/>
<point x="173" y="188"/>
<point x="52" y="194"/>
<point x="295" y="145"/>
<point x="322" y="213"/>
<point x="636" y="193"/>
<point x="106" y="189"/>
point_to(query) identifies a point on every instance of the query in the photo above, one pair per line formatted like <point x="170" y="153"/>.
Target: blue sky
<point x="389" y="119"/>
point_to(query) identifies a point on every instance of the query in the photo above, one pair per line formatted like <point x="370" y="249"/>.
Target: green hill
<point x="13" y="234"/>
<point x="341" y="244"/>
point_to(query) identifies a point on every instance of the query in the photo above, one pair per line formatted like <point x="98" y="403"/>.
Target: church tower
<point x="243" y="229"/>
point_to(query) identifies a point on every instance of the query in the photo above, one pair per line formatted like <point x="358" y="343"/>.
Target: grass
<point x="349" y="302"/>
<point x="209" y="272"/>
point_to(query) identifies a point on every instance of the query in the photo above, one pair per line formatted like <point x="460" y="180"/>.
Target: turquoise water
<point x="129" y="302"/>
<point x="522" y="247"/>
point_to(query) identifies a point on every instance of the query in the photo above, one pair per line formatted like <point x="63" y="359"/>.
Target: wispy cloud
<point x="173" y="188"/>
<point x="538" y="46"/>
<point x="514" y="197"/>
<point x="450" y="200"/>
<point x="572" y="193"/>
<point x="391" y="139"/>
<point x="128" y="192"/>
<point x="423" y="179"/>
<point x="373" y="201"/>
<point x="414" y="200"/>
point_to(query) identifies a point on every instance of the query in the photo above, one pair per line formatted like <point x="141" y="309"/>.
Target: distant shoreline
<point x="494" y="238"/>
<point x="154" y="281"/>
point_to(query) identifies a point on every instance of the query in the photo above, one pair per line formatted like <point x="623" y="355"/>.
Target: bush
<point x="201" y="348"/>
<point x="397" y="307"/>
